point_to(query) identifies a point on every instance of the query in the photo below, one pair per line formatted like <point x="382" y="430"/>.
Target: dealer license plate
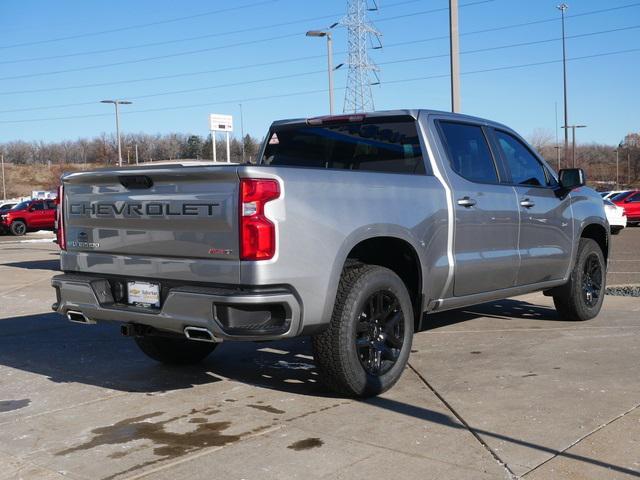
<point x="143" y="294"/>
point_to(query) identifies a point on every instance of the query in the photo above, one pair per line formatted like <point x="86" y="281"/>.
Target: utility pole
<point x="563" y="7"/>
<point x="136" y="154"/>
<point x="242" y="130"/>
<point x="628" y="168"/>
<point x="454" y="56"/>
<point x="116" y="103"/>
<point x="4" y="186"/>
<point x="557" y="143"/>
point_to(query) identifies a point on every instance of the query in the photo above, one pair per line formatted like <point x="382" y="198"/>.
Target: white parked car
<point x="615" y="215"/>
<point x="611" y="193"/>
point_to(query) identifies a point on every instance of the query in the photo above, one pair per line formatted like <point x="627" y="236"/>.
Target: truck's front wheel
<point x="365" y="348"/>
<point x="174" y="351"/>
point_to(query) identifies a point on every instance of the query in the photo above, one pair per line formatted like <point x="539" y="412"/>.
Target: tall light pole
<point x="454" y="56"/>
<point x="563" y="7"/>
<point x="327" y="33"/>
<point x="4" y="186"/>
<point x="116" y="103"/>
<point x="618" y="168"/>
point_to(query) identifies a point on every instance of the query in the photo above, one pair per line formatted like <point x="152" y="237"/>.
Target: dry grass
<point x="21" y="180"/>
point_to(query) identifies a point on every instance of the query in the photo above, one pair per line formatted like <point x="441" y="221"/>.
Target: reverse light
<point x="257" y="232"/>
<point x="60" y="236"/>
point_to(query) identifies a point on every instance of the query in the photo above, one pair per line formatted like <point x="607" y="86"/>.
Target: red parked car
<point x="29" y="216"/>
<point x="630" y="201"/>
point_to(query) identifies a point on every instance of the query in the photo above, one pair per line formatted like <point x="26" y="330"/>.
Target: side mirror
<point x="571" y="178"/>
<point x="31" y="208"/>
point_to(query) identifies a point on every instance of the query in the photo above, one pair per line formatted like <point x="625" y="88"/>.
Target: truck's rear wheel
<point x="365" y="348"/>
<point x="18" y="228"/>
<point x="174" y="351"/>
<point x="582" y="296"/>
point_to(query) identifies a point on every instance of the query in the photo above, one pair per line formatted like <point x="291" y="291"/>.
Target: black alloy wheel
<point x="380" y="333"/>
<point x="592" y="280"/>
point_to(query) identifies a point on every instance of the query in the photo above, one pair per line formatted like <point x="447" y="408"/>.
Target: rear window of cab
<point x="373" y="146"/>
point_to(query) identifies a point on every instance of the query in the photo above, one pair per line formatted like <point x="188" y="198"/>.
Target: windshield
<point x="22" y="205"/>
<point x="619" y="196"/>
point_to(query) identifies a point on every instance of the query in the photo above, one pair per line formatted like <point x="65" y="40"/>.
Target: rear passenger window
<point x="373" y="146"/>
<point x="469" y="152"/>
<point x="525" y="168"/>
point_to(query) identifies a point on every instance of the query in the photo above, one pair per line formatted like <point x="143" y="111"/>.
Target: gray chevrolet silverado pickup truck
<point x="348" y="229"/>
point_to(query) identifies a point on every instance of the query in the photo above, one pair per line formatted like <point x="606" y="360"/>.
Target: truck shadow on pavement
<point x="36" y="265"/>
<point x="47" y="344"/>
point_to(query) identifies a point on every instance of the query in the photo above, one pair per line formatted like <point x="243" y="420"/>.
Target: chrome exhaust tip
<point x="79" y="317"/>
<point x="200" y="334"/>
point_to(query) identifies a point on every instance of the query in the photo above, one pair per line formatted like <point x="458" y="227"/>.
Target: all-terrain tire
<point x="18" y="228"/>
<point x="582" y="296"/>
<point x="174" y="351"/>
<point x="346" y="353"/>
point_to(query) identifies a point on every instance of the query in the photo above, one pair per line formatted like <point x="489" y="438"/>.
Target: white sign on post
<point x="220" y="123"/>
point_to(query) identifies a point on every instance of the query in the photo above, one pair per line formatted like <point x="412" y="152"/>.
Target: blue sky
<point x="603" y="90"/>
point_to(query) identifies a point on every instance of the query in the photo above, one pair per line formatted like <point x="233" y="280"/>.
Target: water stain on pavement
<point x="267" y="408"/>
<point x="168" y="444"/>
<point x="306" y="444"/>
<point x="10" y="405"/>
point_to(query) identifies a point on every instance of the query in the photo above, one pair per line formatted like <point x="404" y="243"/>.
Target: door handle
<point x="526" y="203"/>
<point x="466" y="202"/>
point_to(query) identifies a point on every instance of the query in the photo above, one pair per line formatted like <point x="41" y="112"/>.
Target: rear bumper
<point x="229" y="313"/>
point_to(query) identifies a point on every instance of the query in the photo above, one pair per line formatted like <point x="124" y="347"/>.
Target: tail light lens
<point x="60" y="236"/>
<point x="257" y="232"/>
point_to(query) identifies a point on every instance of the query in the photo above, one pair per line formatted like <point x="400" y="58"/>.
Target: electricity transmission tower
<point x="361" y="35"/>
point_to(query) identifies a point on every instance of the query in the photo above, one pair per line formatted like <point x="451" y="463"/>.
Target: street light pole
<point x="563" y="7"/>
<point x="454" y="42"/>
<point x="618" y="168"/>
<point x="327" y="33"/>
<point x="116" y="103"/>
<point x="4" y="186"/>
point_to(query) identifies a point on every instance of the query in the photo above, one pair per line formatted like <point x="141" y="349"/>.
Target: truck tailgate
<point x="174" y="217"/>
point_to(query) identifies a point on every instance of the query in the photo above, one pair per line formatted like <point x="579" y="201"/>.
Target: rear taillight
<point x="257" y="232"/>
<point x="60" y="236"/>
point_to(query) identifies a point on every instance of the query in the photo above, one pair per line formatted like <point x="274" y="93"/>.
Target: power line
<point x="280" y="77"/>
<point x="161" y="77"/>
<point x="180" y="40"/>
<point x="139" y="25"/>
<point x="308" y="92"/>
<point x="203" y="50"/>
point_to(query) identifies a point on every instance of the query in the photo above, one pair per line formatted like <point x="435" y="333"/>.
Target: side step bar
<point x="79" y="317"/>
<point x="200" y="334"/>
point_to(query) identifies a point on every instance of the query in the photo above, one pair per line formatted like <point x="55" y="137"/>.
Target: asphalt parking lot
<point x="502" y="390"/>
